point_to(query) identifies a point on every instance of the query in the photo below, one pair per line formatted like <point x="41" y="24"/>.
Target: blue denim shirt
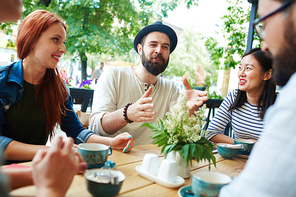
<point x="11" y="90"/>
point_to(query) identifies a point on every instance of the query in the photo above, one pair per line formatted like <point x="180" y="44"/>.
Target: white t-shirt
<point x="118" y="86"/>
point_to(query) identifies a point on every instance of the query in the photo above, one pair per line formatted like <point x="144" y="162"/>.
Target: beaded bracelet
<point x="125" y="113"/>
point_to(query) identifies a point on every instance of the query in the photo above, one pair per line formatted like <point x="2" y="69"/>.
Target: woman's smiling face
<point x="250" y="75"/>
<point x="49" y="48"/>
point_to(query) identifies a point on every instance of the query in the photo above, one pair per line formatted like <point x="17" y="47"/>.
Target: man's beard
<point x="154" y="68"/>
<point x="284" y="65"/>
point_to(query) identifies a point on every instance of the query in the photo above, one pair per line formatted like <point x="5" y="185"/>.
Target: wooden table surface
<point x="134" y="184"/>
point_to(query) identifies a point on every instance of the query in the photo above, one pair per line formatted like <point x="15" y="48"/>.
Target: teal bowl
<point x="225" y="152"/>
<point x="207" y="183"/>
<point x="99" y="189"/>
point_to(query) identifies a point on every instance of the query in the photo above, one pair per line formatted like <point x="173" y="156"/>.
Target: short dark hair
<point x="269" y="95"/>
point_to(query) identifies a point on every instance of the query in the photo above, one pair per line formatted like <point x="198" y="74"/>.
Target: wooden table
<point x="134" y="184"/>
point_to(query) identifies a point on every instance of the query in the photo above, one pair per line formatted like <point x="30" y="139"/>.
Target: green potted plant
<point x="183" y="134"/>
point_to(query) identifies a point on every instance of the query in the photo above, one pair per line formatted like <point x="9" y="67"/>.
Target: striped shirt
<point x="245" y="120"/>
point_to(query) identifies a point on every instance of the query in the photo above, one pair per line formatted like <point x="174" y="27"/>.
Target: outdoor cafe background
<point x="72" y="65"/>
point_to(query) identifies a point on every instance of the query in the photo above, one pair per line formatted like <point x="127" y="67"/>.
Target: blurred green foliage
<point x="189" y="54"/>
<point x="102" y="26"/>
<point x="214" y="95"/>
<point x="235" y="25"/>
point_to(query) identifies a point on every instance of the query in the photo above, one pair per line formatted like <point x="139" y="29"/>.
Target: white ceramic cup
<point x="168" y="171"/>
<point x="150" y="164"/>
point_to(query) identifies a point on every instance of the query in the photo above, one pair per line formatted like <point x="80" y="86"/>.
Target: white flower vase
<point x="183" y="170"/>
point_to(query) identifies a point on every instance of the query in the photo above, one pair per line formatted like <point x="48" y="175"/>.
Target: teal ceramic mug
<point x="248" y="146"/>
<point x="207" y="183"/>
<point x="95" y="155"/>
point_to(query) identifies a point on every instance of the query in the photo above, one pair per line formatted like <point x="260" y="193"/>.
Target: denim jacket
<point x="11" y="90"/>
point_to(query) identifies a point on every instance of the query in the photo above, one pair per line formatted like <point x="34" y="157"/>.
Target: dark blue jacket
<point x="11" y="90"/>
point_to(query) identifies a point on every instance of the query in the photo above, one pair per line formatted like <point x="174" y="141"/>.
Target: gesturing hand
<point x="137" y="111"/>
<point x="54" y="170"/>
<point x="195" y="98"/>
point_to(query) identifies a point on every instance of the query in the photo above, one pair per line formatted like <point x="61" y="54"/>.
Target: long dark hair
<point x="268" y="95"/>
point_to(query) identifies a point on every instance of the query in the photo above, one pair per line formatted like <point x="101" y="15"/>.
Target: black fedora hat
<point x="157" y="26"/>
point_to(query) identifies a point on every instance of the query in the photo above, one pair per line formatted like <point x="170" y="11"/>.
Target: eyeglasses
<point x="258" y="25"/>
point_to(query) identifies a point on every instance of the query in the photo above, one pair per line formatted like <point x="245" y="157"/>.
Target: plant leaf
<point x="156" y="134"/>
<point x="160" y="124"/>
<point x="185" y="153"/>
<point x="163" y="141"/>
<point x="196" y="154"/>
<point x="151" y="126"/>
<point x="167" y="148"/>
<point x="213" y="159"/>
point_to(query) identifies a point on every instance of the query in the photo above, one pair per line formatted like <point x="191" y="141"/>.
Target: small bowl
<point x="100" y="189"/>
<point x="225" y="152"/>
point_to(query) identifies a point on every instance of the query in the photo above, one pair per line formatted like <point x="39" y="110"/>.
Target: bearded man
<point x="126" y="97"/>
<point x="270" y="170"/>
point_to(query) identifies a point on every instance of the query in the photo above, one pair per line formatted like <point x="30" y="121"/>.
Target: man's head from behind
<point x="155" y="43"/>
<point x="10" y="10"/>
<point x="280" y="36"/>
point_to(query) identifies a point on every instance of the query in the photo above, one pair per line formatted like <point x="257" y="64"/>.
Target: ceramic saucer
<point x="109" y="165"/>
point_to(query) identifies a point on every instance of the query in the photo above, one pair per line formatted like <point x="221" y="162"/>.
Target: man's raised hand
<point x="142" y="109"/>
<point x="195" y="98"/>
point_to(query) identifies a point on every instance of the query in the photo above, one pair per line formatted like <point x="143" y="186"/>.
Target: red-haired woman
<point x="33" y="97"/>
